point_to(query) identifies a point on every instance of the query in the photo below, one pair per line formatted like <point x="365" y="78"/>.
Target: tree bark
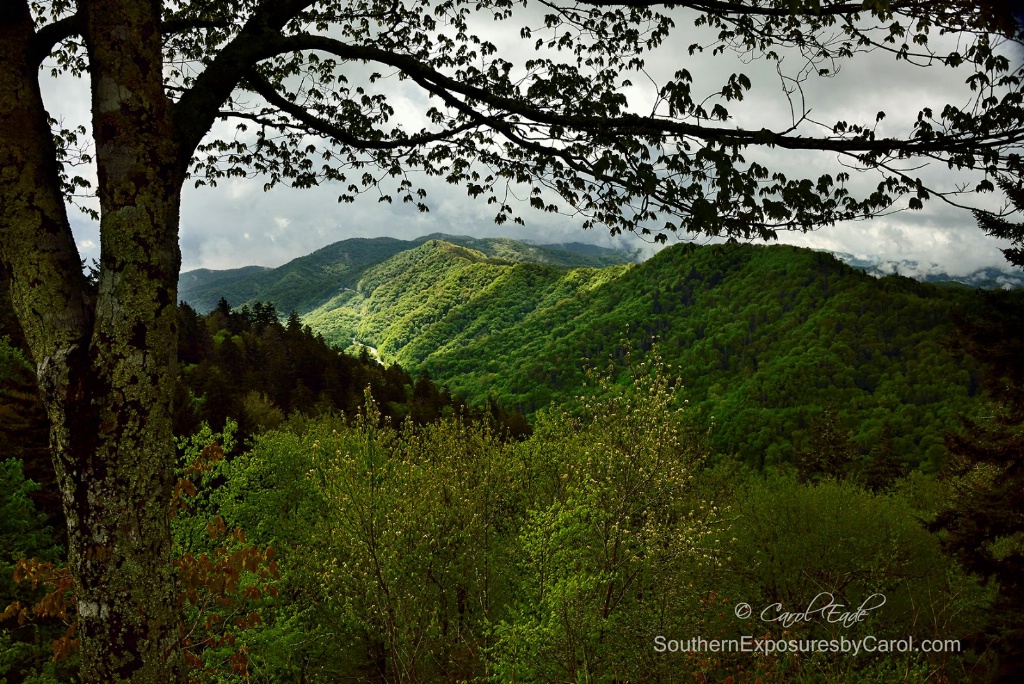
<point x="106" y="363"/>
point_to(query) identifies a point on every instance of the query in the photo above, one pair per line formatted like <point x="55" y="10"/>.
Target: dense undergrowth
<point x="367" y="550"/>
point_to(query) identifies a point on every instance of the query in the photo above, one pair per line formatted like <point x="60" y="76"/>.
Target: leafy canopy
<point x="318" y="91"/>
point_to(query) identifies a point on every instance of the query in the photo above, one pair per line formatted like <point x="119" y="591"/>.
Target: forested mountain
<point x="365" y="538"/>
<point x="772" y="343"/>
<point x="248" y="366"/>
<point x="308" y="281"/>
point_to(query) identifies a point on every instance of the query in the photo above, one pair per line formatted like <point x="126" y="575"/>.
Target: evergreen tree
<point x="426" y="399"/>
<point x="884" y="465"/>
<point x="294" y="324"/>
<point x="985" y="522"/>
<point x="999" y="227"/>
<point x="829" y="451"/>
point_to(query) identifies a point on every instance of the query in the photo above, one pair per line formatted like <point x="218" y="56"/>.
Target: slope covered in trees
<point x="248" y="366"/>
<point x="308" y="281"/>
<point x="764" y="339"/>
<point x="775" y="344"/>
<point x="290" y="75"/>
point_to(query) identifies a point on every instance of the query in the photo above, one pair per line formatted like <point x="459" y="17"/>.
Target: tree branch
<point x="197" y="108"/>
<point x="172" y="26"/>
<point x="992" y="9"/>
<point x="267" y="91"/>
<point x="635" y="125"/>
<point x="712" y="6"/>
<point x="51" y="35"/>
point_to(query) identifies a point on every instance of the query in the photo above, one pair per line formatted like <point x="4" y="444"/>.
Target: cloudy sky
<point x="238" y="224"/>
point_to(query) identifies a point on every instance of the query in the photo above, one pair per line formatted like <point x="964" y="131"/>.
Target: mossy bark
<point x="105" y="360"/>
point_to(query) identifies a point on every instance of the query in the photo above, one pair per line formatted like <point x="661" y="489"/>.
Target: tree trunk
<point x="106" y="363"/>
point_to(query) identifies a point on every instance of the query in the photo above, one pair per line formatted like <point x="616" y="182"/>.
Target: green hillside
<point x="301" y="284"/>
<point x="307" y="282"/>
<point x="204" y="279"/>
<point x="772" y="342"/>
<point x="564" y="255"/>
<point x="331" y="461"/>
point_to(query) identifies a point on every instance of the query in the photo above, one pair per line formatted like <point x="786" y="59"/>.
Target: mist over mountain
<point x="985" y="278"/>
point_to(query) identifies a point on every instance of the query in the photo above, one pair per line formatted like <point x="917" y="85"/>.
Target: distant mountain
<point x="307" y="282"/>
<point x="587" y="249"/>
<point x="301" y="284"/>
<point x="766" y="339"/>
<point x="562" y="255"/>
<point x="232" y="281"/>
<point x="985" y="278"/>
<point x="397" y="306"/>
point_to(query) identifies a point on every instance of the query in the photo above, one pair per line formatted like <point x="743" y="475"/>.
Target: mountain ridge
<point x="309" y="281"/>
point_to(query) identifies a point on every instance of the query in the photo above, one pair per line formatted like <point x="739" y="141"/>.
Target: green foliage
<point x="983" y="519"/>
<point x="560" y="124"/>
<point x="24" y="428"/>
<point x="797" y="540"/>
<point x="833" y="540"/>
<point x="247" y="364"/>
<point x="260" y="412"/>
<point x="438" y="552"/>
<point x="19" y="407"/>
<point x="787" y="547"/>
<point x="25" y="652"/>
<point x="829" y="451"/>
<point x="265" y="492"/>
<point x="415" y="551"/>
<point x="765" y="339"/>
<point x="23" y="530"/>
<point x="611" y="534"/>
<point x="999" y="227"/>
<point x="224" y="581"/>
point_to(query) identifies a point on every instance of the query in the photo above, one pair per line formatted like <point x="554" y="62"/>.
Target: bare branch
<point x="190" y="24"/>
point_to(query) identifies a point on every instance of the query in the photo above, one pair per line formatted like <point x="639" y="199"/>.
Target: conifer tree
<point x="828" y="452"/>
<point x="985" y="523"/>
